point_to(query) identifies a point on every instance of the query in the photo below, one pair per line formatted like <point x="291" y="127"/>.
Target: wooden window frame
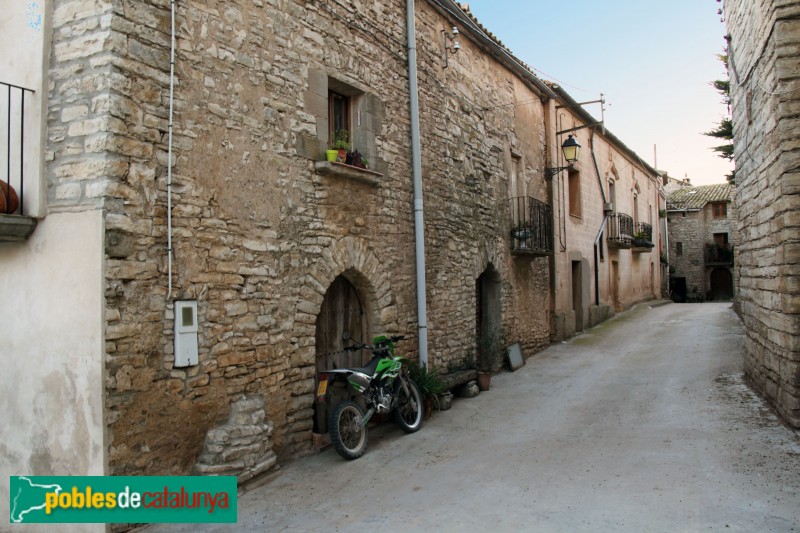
<point x="338" y="118"/>
<point x="719" y="209"/>
<point x="574" y="187"/>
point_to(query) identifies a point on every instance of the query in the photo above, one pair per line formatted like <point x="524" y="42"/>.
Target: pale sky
<point x="652" y="59"/>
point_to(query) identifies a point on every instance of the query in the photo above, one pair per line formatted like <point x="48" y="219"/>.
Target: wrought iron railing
<point x="718" y="254"/>
<point x="531" y="226"/>
<point x="12" y="122"/>
<point x="643" y="235"/>
<point x="620" y="230"/>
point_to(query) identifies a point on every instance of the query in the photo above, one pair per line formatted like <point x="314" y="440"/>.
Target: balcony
<point x="14" y="225"/>
<point x="642" y="238"/>
<point x="718" y="254"/>
<point x="531" y="227"/>
<point x="620" y="231"/>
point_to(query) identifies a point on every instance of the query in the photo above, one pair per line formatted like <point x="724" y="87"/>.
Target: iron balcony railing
<point x="12" y="122"/>
<point x="531" y="226"/>
<point x="620" y="231"/>
<point x="718" y="254"/>
<point x="643" y="236"/>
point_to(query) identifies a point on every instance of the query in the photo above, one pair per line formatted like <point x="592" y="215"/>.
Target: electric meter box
<point x="186" y="333"/>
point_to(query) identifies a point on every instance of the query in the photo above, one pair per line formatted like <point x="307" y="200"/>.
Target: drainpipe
<point x="602" y="226"/>
<point x="597" y="260"/>
<point x="419" y="225"/>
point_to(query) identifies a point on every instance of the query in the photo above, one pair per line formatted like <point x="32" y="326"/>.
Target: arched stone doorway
<point x="721" y="284"/>
<point x="488" y="309"/>
<point x="342" y="311"/>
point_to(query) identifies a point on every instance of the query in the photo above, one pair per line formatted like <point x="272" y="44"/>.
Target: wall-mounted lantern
<point x="570" y="149"/>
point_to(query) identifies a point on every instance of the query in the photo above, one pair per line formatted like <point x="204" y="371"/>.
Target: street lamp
<point x="570" y="149"/>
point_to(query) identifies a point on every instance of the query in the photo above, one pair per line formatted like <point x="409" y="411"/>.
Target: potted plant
<point x="492" y="347"/>
<point x="522" y="231"/>
<point x="9" y="201"/>
<point x="341" y="143"/>
<point x="642" y="240"/>
<point x="429" y="383"/>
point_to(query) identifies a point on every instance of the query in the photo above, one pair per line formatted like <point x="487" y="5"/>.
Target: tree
<point x="724" y="129"/>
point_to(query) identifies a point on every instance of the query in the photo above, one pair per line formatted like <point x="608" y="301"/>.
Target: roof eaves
<point x="482" y="36"/>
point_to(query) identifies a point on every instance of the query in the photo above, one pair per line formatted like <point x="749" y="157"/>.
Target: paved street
<point x="641" y="424"/>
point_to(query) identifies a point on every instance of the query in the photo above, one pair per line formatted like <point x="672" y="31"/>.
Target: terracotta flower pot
<point x="484" y="381"/>
<point x="9" y="202"/>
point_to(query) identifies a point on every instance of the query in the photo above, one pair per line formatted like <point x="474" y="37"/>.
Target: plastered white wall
<point x="51" y="351"/>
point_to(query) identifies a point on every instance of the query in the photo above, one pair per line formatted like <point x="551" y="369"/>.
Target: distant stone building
<point x="764" y="55"/>
<point x="702" y="239"/>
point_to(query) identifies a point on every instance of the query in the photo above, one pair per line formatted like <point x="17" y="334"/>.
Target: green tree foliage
<point x="724" y="129"/>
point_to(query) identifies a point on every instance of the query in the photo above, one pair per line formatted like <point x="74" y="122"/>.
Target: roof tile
<point x="698" y="197"/>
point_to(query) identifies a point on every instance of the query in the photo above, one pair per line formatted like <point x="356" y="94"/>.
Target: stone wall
<point x="686" y="228"/>
<point x="258" y="234"/>
<point x="240" y="447"/>
<point x="764" y="51"/>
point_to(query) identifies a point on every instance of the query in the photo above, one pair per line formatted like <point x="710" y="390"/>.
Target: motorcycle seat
<point x="370" y="368"/>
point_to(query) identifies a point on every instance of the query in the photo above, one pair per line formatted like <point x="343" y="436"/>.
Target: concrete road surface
<point x="641" y="424"/>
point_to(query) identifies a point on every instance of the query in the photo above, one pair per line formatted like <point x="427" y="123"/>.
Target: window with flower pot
<point x="348" y="117"/>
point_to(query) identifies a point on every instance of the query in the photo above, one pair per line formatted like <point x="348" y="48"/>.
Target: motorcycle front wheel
<point x="348" y="436"/>
<point x="408" y="413"/>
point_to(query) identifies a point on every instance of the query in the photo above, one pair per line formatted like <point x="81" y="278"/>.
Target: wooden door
<point x="721" y="284"/>
<point x="341" y="312"/>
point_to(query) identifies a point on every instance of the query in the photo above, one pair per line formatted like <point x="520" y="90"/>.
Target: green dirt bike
<point x="353" y="395"/>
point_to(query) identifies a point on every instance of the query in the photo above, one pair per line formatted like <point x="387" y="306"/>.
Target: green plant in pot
<point x="642" y="239"/>
<point x="492" y="347"/>
<point x="522" y="231"/>
<point x="341" y="143"/>
<point x="428" y="381"/>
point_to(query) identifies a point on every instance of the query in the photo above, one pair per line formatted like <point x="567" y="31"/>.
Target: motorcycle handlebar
<point x="357" y="347"/>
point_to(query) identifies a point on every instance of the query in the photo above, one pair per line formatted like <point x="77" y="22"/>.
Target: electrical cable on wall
<point x="169" y="148"/>
<point x="380" y="41"/>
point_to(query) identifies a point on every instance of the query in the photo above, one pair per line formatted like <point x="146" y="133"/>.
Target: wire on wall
<point x="355" y="23"/>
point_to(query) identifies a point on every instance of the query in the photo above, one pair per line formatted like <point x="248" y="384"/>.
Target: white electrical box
<point x="186" y="333"/>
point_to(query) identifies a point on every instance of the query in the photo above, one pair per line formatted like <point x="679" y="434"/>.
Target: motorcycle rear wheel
<point x="348" y="436"/>
<point x="408" y="413"/>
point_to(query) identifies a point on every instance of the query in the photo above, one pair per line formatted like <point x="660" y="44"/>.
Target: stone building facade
<point x="702" y="242"/>
<point x="240" y="214"/>
<point x="764" y="54"/>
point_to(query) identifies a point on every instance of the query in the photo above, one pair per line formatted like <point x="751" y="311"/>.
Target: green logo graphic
<point x="123" y="499"/>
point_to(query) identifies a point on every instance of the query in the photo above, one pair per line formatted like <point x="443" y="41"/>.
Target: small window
<point x="720" y="210"/>
<point x="338" y="113"/>
<point x="679" y="248"/>
<point x="574" y="193"/>
<point x="515" y="178"/>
